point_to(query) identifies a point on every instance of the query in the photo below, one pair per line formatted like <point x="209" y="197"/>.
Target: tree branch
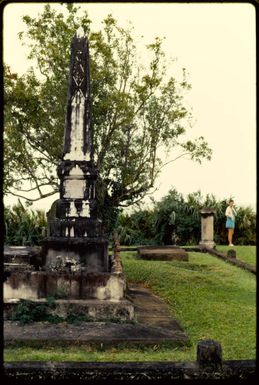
<point x="172" y="160"/>
<point x="33" y="199"/>
<point x="40" y="185"/>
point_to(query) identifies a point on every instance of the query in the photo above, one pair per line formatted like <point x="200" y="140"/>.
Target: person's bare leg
<point x="230" y="236"/>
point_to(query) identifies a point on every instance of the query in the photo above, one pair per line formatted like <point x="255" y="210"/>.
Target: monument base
<point x="207" y="244"/>
<point x="93" y="294"/>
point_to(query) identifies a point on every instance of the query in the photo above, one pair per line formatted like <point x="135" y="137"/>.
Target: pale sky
<point x="216" y="44"/>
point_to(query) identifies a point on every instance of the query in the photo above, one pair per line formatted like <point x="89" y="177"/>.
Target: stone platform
<point x="20" y="257"/>
<point x="163" y="253"/>
<point x="41" y="284"/>
<point x="93" y="310"/>
<point x="153" y="325"/>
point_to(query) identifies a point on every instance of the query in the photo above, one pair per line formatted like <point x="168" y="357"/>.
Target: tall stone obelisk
<point x="74" y="231"/>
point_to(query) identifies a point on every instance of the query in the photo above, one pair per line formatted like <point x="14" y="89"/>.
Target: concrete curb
<point x="126" y="371"/>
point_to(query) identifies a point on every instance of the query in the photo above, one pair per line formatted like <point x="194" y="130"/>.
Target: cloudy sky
<point x="216" y="44"/>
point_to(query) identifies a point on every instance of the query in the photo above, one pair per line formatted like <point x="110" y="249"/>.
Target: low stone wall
<point x="209" y="366"/>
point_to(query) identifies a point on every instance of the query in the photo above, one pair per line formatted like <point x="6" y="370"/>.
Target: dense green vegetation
<point x="210" y="298"/>
<point x="24" y="226"/>
<point x="171" y="220"/>
<point x="175" y="219"/>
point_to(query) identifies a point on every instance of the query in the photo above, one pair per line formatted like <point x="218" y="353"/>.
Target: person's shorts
<point x="230" y="224"/>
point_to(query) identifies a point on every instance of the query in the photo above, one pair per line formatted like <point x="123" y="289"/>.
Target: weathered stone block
<point x="209" y="354"/>
<point x="163" y="253"/>
<point x="18" y="285"/>
<point x="231" y="253"/>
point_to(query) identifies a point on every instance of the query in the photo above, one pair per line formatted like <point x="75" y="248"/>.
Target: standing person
<point x="230" y="223"/>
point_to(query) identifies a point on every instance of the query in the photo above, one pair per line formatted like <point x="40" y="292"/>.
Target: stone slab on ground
<point x="154" y="326"/>
<point x="20" y="254"/>
<point x="163" y="253"/>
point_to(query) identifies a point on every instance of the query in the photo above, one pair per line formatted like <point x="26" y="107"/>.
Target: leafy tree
<point x="136" y="111"/>
<point x="245" y="231"/>
<point x="136" y="228"/>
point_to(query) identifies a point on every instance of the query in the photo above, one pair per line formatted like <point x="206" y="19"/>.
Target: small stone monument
<point x="207" y="228"/>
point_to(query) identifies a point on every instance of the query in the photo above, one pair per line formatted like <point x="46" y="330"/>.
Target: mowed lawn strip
<point x="246" y="254"/>
<point x="210" y="298"/>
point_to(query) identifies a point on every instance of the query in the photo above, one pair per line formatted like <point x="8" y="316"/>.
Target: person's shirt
<point x="230" y="212"/>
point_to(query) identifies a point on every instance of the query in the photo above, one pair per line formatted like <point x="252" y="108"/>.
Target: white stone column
<point x="207" y="227"/>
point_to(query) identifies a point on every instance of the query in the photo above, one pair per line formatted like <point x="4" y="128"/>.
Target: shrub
<point x="177" y="220"/>
<point x="27" y="311"/>
<point x="24" y="226"/>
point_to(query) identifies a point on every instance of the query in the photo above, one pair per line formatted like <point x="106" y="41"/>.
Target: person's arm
<point x="228" y="212"/>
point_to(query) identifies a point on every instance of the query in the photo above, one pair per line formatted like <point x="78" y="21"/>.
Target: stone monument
<point x="74" y="231"/>
<point x="73" y="264"/>
<point x="207" y="228"/>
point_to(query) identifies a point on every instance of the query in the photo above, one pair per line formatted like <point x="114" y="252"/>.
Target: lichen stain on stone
<point x="16" y="279"/>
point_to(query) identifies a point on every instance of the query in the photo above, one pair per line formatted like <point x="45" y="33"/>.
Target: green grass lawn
<point x="210" y="298"/>
<point x="244" y="253"/>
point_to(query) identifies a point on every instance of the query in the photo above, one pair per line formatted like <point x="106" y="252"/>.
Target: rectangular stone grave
<point x="162" y="253"/>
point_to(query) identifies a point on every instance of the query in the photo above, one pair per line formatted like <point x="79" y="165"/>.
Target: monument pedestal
<point x="99" y="296"/>
<point x="207" y="228"/>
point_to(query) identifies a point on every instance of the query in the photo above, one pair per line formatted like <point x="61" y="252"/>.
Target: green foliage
<point x="245" y="230"/>
<point x="78" y="318"/>
<point x="136" y="229"/>
<point x="24" y="226"/>
<point x="183" y="222"/>
<point x="28" y="311"/>
<point x="177" y="220"/>
<point x="136" y="110"/>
